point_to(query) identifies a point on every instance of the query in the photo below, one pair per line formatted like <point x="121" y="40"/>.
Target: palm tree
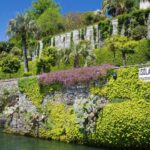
<point x="22" y="26"/>
<point x="64" y="55"/>
<point x="83" y="49"/>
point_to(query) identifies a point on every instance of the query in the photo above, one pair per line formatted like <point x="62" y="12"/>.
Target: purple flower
<point x="75" y="76"/>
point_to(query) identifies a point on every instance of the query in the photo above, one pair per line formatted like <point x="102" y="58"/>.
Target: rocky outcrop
<point x="9" y="87"/>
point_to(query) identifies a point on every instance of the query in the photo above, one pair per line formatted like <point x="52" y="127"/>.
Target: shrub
<point x="124" y="125"/>
<point x="48" y="59"/>
<point x="63" y="126"/>
<point x="139" y="32"/>
<point x="105" y="28"/>
<point x="43" y="65"/>
<point x="127" y="86"/>
<point x="10" y="64"/>
<point x="141" y="54"/>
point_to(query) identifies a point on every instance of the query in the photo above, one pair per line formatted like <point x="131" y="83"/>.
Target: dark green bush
<point x="47" y="60"/>
<point x="105" y="28"/>
<point x="139" y="32"/>
<point x="10" y="64"/>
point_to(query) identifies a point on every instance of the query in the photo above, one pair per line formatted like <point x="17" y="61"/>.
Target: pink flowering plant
<point x="74" y="76"/>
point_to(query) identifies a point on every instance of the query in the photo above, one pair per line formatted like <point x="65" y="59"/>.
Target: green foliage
<point x="48" y="59"/>
<point x="27" y="74"/>
<point x="16" y="52"/>
<point x="22" y="26"/>
<point x="43" y="65"/>
<point x="34" y="91"/>
<point x="106" y="53"/>
<point x="139" y="32"/>
<point x="127" y="86"/>
<point x="132" y="20"/>
<point x="20" y="73"/>
<point x="6" y="47"/>
<point x="105" y="28"/>
<point x="30" y="87"/>
<point x="40" y="6"/>
<point x="47" y="41"/>
<point x="124" y="125"/>
<point x="10" y="64"/>
<point x="62" y="120"/>
<point x="49" y="20"/>
<point x="44" y="89"/>
<point x="117" y="7"/>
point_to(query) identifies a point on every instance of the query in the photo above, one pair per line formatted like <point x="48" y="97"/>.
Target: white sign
<point x="144" y="74"/>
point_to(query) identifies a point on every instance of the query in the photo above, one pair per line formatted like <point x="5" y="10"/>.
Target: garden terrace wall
<point x="96" y="33"/>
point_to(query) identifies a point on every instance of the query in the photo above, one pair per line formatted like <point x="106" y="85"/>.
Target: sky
<point x="9" y="9"/>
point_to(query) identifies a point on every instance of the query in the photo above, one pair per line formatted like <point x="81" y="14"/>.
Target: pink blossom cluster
<point x="74" y="76"/>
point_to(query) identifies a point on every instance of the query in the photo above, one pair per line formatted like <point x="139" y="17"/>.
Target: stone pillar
<point x="68" y="40"/>
<point x="76" y="36"/>
<point x="115" y="26"/>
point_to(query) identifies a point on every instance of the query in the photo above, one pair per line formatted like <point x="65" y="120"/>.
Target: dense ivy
<point x="130" y="21"/>
<point x="124" y="125"/>
<point x="31" y="88"/>
<point x="105" y="28"/>
<point x="61" y="124"/>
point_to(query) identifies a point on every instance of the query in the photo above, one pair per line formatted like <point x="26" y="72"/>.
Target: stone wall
<point x="18" y="111"/>
<point x="67" y="95"/>
<point x="91" y="33"/>
<point x="63" y="41"/>
<point x="9" y="86"/>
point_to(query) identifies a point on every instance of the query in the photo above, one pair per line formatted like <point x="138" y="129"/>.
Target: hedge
<point x="124" y="125"/>
<point x="126" y="87"/>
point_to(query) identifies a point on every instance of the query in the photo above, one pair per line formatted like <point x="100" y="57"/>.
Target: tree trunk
<point x="124" y="59"/>
<point x="76" y="62"/>
<point x="24" y="48"/>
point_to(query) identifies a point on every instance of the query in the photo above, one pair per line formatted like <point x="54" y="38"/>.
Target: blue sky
<point x="9" y="8"/>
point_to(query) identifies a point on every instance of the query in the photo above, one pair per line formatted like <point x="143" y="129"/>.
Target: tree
<point x="125" y="46"/>
<point x="10" y="64"/>
<point x="49" y="21"/>
<point x="82" y="50"/>
<point x="110" y="43"/>
<point x="40" y="6"/>
<point x="22" y="26"/>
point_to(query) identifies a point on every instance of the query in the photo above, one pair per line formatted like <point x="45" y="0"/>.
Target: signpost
<point x="144" y="74"/>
